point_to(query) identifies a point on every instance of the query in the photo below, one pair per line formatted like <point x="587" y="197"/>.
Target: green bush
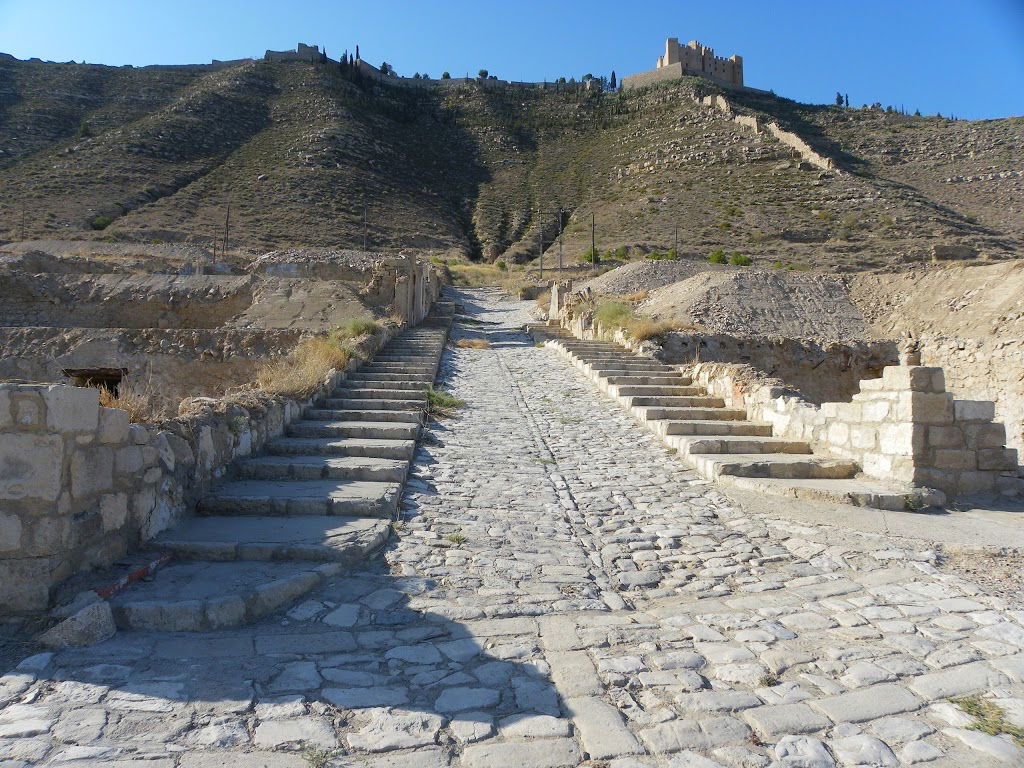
<point x="777" y="264"/>
<point x="654" y="255"/>
<point x="622" y="252"/>
<point x="717" y="256"/>
<point x="672" y="254"/>
<point x="101" y="222"/>
<point x="589" y="255"/>
<point x="500" y="264"/>
<point x="613" y="314"/>
<point x="739" y="260"/>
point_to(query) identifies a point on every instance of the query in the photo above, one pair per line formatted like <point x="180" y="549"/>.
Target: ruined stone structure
<point x="690" y="59"/>
<point x="185" y="334"/>
<point x="302" y="52"/>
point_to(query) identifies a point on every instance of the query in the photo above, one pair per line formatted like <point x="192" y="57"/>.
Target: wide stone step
<point x="348" y="393"/>
<point x="682" y="427"/>
<point x="303" y="497"/>
<point x="342" y="446"/>
<point x="377" y="430"/>
<point x="855" y="491"/>
<point x="202" y="596"/>
<point x="356" y="414"/>
<point x="423" y="379"/>
<point x="741" y="444"/>
<point x="368" y="404"/>
<point x="424" y="360"/>
<point x="377" y="367"/>
<point x="324" y="468"/>
<point x="375" y="383"/>
<point x="320" y="539"/>
<point x="773" y="465"/>
<point x="677" y="393"/>
<point x="682" y="405"/>
<point x="659" y="381"/>
<point x="630" y="368"/>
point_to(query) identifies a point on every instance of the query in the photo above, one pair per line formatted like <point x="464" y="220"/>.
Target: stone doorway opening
<point x="108" y="379"/>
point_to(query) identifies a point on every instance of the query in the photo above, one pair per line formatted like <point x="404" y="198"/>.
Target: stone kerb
<point x="80" y="486"/>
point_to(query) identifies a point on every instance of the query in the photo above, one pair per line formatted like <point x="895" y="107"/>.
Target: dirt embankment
<point x="761" y="302"/>
<point x="644" y="276"/>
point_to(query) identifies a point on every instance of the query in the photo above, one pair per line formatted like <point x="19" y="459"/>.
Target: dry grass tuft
<point x="142" y="404"/>
<point x="636" y="298"/>
<point x="616" y="314"/>
<point x="473" y="343"/>
<point x="305" y="369"/>
<point x="643" y="328"/>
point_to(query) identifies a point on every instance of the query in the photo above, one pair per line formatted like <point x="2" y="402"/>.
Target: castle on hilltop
<point x="690" y="59"/>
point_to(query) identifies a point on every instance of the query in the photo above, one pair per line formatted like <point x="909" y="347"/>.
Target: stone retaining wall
<point x="902" y="427"/>
<point x="988" y="369"/>
<point x="80" y="486"/>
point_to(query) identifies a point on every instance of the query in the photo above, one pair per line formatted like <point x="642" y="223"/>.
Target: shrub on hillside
<point x="717" y="256"/>
<point x="101" y="222"/>
<point x="739" y="260"/>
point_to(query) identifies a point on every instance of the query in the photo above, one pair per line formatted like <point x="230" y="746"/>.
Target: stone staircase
<point x="319" y="499"/>
<point x="719" y="442"/>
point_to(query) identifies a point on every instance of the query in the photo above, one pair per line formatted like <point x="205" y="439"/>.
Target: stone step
<point x="348" y="393"/>
<point x="375" y="365"/>
<point x="375" y="383"/>
<point x="324" y="468"/>
<point x="306" y="497"/>
<point x="319" y="539"/>
<point x="679" y="393"/>
<point x="354" y="414"/>
<point x="200" y="596"/>
<point x="424" y="379"/>
<point x="368" y="404"/>
<point x="342" y="446"/>
<point x="855" y="491"/>
<point x="376" y="430"/>
<point x="773" y="465"/>
<point x="732" y="444"/>
<point x="678" y="428"/>
<point x="425" y="360"/>
<point x="628" y="367"/>
<point x="685" y="411"/>
<point x="663" y="371"/>
<point x="676" y="381"/>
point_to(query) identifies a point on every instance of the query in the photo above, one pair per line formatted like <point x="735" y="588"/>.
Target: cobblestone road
<point x="562" y="591"/>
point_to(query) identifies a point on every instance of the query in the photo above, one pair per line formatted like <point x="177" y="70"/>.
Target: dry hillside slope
<point x="303" y="151"/>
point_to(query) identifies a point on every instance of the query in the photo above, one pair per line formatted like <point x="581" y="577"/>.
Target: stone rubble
<point x="560" y="590"/>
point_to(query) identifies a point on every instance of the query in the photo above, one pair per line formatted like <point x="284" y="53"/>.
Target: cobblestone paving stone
<point x="561" y="591"/>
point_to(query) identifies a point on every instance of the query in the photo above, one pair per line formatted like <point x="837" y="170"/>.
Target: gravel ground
<point x="646" y="275"/>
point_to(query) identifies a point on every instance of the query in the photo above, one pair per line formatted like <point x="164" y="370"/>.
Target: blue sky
<point x="964" y="57"/>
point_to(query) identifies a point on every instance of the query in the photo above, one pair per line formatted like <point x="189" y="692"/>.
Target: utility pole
<point x="559" y="242"/>
<point x="227" y="224"/>
<point x="593" y="239"/>
<point x="675" y="241"/>
<point x="540" y="246"/>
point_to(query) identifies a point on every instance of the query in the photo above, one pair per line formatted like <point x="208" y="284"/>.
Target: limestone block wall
<point x="79" y="485"/>
<point x="75" y="480"/>
<point x="902" y="427"/>
<point x="985" y="369"/>
<point x="821" y="371"/>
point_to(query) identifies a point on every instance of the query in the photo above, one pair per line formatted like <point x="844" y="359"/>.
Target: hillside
<point x="302" y="150"/>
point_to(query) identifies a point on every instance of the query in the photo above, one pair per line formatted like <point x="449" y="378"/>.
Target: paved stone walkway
<point x="561" y="591"/>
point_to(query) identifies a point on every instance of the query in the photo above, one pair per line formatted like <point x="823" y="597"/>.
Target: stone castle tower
<point x="696" y="59"/>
